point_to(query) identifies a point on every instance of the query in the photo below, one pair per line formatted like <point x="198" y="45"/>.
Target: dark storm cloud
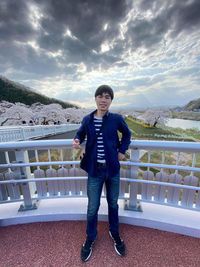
<point x="86" y="19"/>
<point x="16" y="30"/>
<point x="77" y="52"/>
<point x="144" y="33"/>
<point x="175" y="16"/>
<point x="25" y="59"/>
<point x="14" y="21"/>
<point x="183" y="15"/>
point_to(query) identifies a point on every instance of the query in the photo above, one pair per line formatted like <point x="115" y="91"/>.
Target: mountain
<point x="15" y="92"/>
<point x="190" y="111"/>
<point x="193" y="105"/>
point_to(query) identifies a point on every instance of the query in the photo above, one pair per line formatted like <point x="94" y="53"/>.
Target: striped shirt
<point x="100" y="145"/>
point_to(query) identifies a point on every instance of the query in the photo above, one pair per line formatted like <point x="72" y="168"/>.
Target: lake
<point x="184" y="124"/>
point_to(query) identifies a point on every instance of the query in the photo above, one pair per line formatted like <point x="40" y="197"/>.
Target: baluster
<point x="3" y="191"/>
<point x="188" y="197"/>
<point x="13" y="188"/>
<point x="173" y="193"/>
<point x="41" y="186"/>
<point x="132" y="203"/>
<point x="160" y="190"/>
<point x="147" y="189"/>
<point x="52" y="185"/>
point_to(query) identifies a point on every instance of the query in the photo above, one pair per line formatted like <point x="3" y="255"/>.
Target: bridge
<point x="18" y="133"/>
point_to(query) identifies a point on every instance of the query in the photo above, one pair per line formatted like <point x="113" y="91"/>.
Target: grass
<point x="142" y="131"/>
<point x="141" y="128"/>
<point x="185" y="159"/>
<point x="192" y="133"/>
<point x="68" y="155"/>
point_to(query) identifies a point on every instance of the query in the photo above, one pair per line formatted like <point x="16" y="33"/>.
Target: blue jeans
<point x="94" y="190"/>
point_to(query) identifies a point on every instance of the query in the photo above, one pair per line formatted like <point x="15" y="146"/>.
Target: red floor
<point x="58" y="244"/>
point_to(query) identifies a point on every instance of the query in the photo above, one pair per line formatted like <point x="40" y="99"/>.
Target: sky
<point x="147" y="51"/>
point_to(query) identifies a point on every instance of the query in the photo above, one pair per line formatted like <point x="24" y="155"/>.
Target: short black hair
<point x="104" y="89"/>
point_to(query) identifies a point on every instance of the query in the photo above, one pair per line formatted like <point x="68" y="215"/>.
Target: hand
<point x="121" y="156"/>
<point x="76" y="144"/>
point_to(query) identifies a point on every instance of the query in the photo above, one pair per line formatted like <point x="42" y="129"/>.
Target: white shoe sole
<point x="88" y="256"/>
<point x="115" y="245"/>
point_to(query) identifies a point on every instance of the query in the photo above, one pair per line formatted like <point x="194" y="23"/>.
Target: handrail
<point x="135" y="144"/>
<point x="77" y="178"/>
<point x="126" y="163"/>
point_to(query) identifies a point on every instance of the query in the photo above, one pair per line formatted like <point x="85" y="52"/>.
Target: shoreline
<point x="186" y="115"/>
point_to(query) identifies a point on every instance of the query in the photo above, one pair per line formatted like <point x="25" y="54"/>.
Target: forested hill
<point x="193" y="105"/>
<point x="14" y="92"/>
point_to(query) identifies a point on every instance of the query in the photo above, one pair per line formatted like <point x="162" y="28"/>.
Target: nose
<point x="104" y="98"/>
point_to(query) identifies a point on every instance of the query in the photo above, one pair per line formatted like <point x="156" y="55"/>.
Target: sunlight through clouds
<point x="66" y="49"/>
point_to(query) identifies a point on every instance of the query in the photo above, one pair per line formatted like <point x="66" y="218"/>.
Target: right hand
<point x="76" y="144"/>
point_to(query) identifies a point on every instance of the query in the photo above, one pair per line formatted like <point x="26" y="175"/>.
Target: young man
<point x="101" y="161"/>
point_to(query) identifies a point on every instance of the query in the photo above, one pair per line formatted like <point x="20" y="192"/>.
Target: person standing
<point x="103" y="152"/>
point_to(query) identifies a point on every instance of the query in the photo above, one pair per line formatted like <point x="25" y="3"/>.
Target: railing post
<point x="28" y="204"/>
<point x="133" y="203"/>
<point x="22" y="156"/>
<point x="23" y="133"/>
<point x="42" y="130"/>
<point x="3" y="191"/>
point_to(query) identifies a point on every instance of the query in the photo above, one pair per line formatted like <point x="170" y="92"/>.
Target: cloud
<point x="68" y="48"/>
<point x="185" y="15"/>
<point x="86" y="23"/>
<point x="15" y="21"/>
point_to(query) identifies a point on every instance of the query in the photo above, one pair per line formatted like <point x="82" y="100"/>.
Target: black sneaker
<point x="119" y="245"/>
<point x="86" y="250"/>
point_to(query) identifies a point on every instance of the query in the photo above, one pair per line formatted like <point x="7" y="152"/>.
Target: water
<point x="184" y="124"/>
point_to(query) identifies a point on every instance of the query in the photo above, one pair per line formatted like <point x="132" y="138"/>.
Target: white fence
<point x="167" y="174"/>
<point x="16" y="133"/>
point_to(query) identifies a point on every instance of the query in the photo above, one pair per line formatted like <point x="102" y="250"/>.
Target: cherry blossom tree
<point x="37" y="114"/>
<point x="50" y="114"/>
<point x="155" y="117"/>
<point x="15" y="114"/>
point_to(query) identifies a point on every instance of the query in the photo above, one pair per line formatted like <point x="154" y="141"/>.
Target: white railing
<point x="168" y="173"/>
<point x="16" y="133"/>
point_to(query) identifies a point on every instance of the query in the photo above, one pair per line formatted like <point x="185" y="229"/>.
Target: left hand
<point x="121" y="156"/>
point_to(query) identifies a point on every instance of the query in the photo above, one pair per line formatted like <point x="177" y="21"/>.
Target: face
<point x="103" y="102"/>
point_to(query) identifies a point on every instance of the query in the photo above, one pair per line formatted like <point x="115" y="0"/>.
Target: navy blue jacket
<point x="112" y="123"/>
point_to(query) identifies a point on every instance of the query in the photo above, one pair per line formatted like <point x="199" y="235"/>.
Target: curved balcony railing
<point x="161" y="172"/>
